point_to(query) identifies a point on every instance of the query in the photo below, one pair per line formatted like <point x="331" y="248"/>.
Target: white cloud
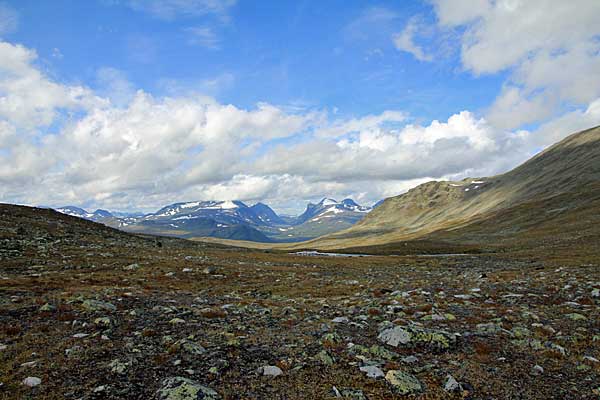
<point x="171" y="9"/>
<point x="551" y="49"/>
<point x="354" y="125"/>
<point x="203" y="36"/>
<point x="115" y="85"/>
<point x="27" y="97"/>
<point x="9" y="19"/>
<point x="404" y="41"/>
<point x="139" y="151"/>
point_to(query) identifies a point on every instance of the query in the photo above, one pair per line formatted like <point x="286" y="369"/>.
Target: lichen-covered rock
<point x="383" y="353"/>
<point x="190" y="347"/>
<point x="416" y="336"/>
<point x="47" y="307"/>
<point x="488" y="329"/>
<point x="97" y="305"/>
<point x="403" y="383"/>
<point x="118" y="367"/>
<point x="325" y="358"/>
<point x="348" y="393"/>
<point x="179" y="388"/>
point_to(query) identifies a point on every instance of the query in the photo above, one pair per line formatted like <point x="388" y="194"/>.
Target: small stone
<point x="340" y="320"/>
<point x="187" y="270"/>
<point x="47" y="307"/>
<point x="105" y="321"/>
<point x="403" y="383"/>
<point x="176" y="321"/>
<point x="596" y="293"/>
<point x="192" y="348"/>
<point x="325" y="358"/>
<point x="131" y="267"/>
<point x="73" y="351"/>
<point x="29" y="364"/>
<point x="409" y="359"/>
<point x="117" y="366"/>
<point x="32" y="381"/>
<point x="209" y="270"/>
<point x="537" y="370"/>
<point x="451" y="384"/>
<point x="372" y="371"/>
<point x="271" y="370"/>
<point x="80" y="335"/>
<point x="488" y="329"/>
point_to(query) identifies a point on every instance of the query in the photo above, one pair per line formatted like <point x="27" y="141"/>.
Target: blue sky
<point x="309" y="54"/>
<point x="132" y="104"/>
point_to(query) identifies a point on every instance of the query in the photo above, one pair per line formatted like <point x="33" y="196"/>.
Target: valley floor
<point x="98" y="314"/>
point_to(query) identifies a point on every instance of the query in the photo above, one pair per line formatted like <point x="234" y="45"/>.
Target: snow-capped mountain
<point x="329" y="208"/>
<point x="267" y="215"/>
<point x="97" y="215"/>
<point x="232" y="219"/>
<point x="224" y="212"/>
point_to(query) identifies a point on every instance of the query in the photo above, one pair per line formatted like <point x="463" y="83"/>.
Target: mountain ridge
<point x="441" y="208"/>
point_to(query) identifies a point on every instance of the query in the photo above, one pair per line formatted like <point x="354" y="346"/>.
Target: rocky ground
<point x="87" y="312"/>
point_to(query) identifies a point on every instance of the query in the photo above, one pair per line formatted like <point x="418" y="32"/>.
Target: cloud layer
<point x="119" y="147"/>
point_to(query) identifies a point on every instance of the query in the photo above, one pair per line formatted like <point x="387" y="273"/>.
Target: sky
<point x="134" y="104"/>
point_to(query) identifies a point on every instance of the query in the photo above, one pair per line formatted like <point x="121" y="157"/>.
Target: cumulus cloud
<point x="550" y="48"/>
<point x="122" y="148"/>
<point x="27" y="97"/>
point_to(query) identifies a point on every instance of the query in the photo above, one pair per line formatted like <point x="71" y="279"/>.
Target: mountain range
<point x="551" y="200"/>
<point x="232" y="220"/>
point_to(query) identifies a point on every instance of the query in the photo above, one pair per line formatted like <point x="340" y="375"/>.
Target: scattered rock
<point x="348" y="393"/>
<point x="340" y="320"/>
<point x="179" y="388"/>
<point x="131" y="267"/>
<point x="372" y="371"/>
<point x="271" y="370"/>
<point x="209" y="270"/>
<point x="451" y="384"/>
<point x="403" y="383"/>
<point x="537" y="370"/>
<point x="488" y="329"/>
<point x="97" y="305"/>
<point x="47" y="307"/>
<point x="395" y="336"/>
<point x="118" y="367"/>
<point x="32" y="381"/>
